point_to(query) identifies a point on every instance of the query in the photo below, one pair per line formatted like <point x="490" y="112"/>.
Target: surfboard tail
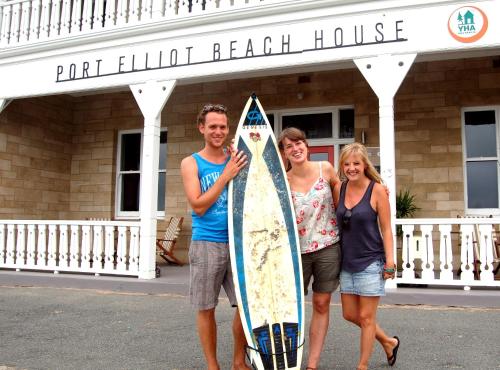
<point x="277" y="345"/>
<point x="291" y="334"/>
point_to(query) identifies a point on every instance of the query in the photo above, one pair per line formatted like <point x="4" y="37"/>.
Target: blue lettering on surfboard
<point x="255" y="118"/>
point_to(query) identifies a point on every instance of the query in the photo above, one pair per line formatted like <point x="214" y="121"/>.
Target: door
<point x="321" y="153"/>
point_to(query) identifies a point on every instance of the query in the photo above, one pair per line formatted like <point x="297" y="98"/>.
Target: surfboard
<point x="264" y="247"/>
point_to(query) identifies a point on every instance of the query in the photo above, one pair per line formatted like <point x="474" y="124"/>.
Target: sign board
<point x="313" y="37"/>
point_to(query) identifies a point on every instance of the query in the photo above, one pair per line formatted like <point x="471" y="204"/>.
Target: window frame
<point x="465" y="160"/>
<point x="334" y="141"/>
<point x="134" y="215"/>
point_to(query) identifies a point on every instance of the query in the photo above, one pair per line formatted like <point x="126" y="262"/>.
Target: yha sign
<point x="467" y="24"/>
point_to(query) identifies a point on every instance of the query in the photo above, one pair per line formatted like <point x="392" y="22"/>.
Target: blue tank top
<point x="361" y="240"/>
<point x="212" y="226"/>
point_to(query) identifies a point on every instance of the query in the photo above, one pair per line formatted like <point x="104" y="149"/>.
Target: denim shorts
<point x="368" y="282"/>
<point x="210" y="269"/>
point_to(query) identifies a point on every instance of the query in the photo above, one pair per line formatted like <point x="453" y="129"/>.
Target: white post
<point x="151" y="98"/>
<point x="385" y="73"/>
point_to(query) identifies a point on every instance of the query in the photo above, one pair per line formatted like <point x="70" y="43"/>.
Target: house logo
<point x="467" y="24"/>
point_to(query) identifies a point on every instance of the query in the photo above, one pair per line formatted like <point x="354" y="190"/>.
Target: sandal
<point x="392" y="360"/>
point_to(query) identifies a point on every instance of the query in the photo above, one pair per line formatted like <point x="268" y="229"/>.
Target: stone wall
<point x="35" y="158"/>
<point x="429" y="129"/>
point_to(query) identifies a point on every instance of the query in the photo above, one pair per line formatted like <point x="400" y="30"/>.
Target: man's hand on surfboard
<point x="236" y="163"/>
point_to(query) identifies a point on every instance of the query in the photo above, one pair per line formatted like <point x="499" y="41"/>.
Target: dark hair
<point x="207" y="108"/>
<point x="292" y="134"/>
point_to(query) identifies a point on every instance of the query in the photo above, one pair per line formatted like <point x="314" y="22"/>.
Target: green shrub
<point x="405" y="207"/>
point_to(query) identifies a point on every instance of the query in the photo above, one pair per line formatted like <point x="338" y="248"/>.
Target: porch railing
<point x="99" y="247"/>
<point x="28" y="21"/>
<point x="450" y="251"/>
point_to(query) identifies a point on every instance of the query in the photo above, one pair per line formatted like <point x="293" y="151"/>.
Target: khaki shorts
<point x="324" y="267"/>
<point x="210" y="269"/>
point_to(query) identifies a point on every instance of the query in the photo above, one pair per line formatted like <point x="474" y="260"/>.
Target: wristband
<point x="389" y="270"/>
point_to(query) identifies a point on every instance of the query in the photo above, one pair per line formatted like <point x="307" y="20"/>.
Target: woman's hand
<point x="389" y="271"/>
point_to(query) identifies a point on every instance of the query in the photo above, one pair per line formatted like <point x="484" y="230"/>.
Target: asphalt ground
<point x="85" y="322"/>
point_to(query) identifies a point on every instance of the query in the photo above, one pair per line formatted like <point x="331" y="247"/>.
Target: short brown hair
<point x="207" y="108"/>
<point x="292" y="134"/>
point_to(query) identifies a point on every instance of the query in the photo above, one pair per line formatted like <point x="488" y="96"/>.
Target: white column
<point x="385" y="73"/>
<point x="151" y="98"/>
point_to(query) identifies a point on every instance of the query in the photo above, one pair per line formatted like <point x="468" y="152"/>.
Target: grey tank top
<point x="361" y="240"/>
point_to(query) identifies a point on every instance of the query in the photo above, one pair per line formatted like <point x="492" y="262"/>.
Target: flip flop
<point x="392" y="360"/>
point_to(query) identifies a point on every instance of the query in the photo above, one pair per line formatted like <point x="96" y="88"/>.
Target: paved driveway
<point x="70" y="328"/>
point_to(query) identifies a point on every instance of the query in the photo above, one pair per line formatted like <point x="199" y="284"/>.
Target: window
<point x="128" y="174"/>
<point x="327" y="128"/>
<point x="481" y="159"/>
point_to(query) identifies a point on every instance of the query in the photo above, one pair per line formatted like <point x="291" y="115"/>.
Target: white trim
<point x="480" y="211"/>
<point x="128" y="215"/>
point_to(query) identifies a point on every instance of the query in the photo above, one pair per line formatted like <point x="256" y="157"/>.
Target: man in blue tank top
<point x="205" y="176"/>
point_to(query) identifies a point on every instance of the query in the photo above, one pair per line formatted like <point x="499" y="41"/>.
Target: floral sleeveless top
<point x="316" y="217"/>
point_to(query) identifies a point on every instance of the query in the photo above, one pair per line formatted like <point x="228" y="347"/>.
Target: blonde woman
<point x="364" y="218"/>
<point x="311" y="184"/>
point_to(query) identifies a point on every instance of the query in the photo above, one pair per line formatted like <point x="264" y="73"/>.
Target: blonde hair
<point x="359" y="149"/>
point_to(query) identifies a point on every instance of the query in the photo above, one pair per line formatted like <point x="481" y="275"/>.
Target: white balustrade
<point x="26" y="21"/>
<point x="87" y="15"/>
<point x="20" y="253"/>
<point x="99" y="16"/>
<point x="99" y="247"/>
<point x="486" y="245"/>
<point x="15" y="23"/>
<point x="3" y="238"/>
<point x="86" y="247"/>
<point x="76" y="16"/>
<point x="5" y="36"/>
<point x="65" y="23"/>
<point x="134" y="249"/>
<point x="183" y="7"/>
<point x="448" y="251"/>
<point x="31" y="247"/>
<point x="10" y="247"/>
<point x="135" y="11"/>
<point x="34" y="23"/>
<point x="45" y="19"/>
<point x="55" y="18"/>
<point x="109" y="14"/>
<point x="427" y="252"/>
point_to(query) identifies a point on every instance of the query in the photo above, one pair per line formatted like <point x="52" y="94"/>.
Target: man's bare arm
<point x="201" y="202"/>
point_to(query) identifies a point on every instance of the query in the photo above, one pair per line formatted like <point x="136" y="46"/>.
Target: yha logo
<point x="467" y="24"/>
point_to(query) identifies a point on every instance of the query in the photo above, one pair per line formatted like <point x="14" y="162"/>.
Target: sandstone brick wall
<point x="35" y="158"/>
<point x="429" y="129"/>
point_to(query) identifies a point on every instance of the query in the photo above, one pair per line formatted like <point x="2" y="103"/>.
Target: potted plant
<point x="405" y="207"/>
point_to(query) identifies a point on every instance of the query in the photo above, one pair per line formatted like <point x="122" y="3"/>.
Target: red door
<point x="321" y="153"/>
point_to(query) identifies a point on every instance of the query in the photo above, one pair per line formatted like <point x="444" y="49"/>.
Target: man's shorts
<point x="324" y="267"/>
<point x="210" y="269"/>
